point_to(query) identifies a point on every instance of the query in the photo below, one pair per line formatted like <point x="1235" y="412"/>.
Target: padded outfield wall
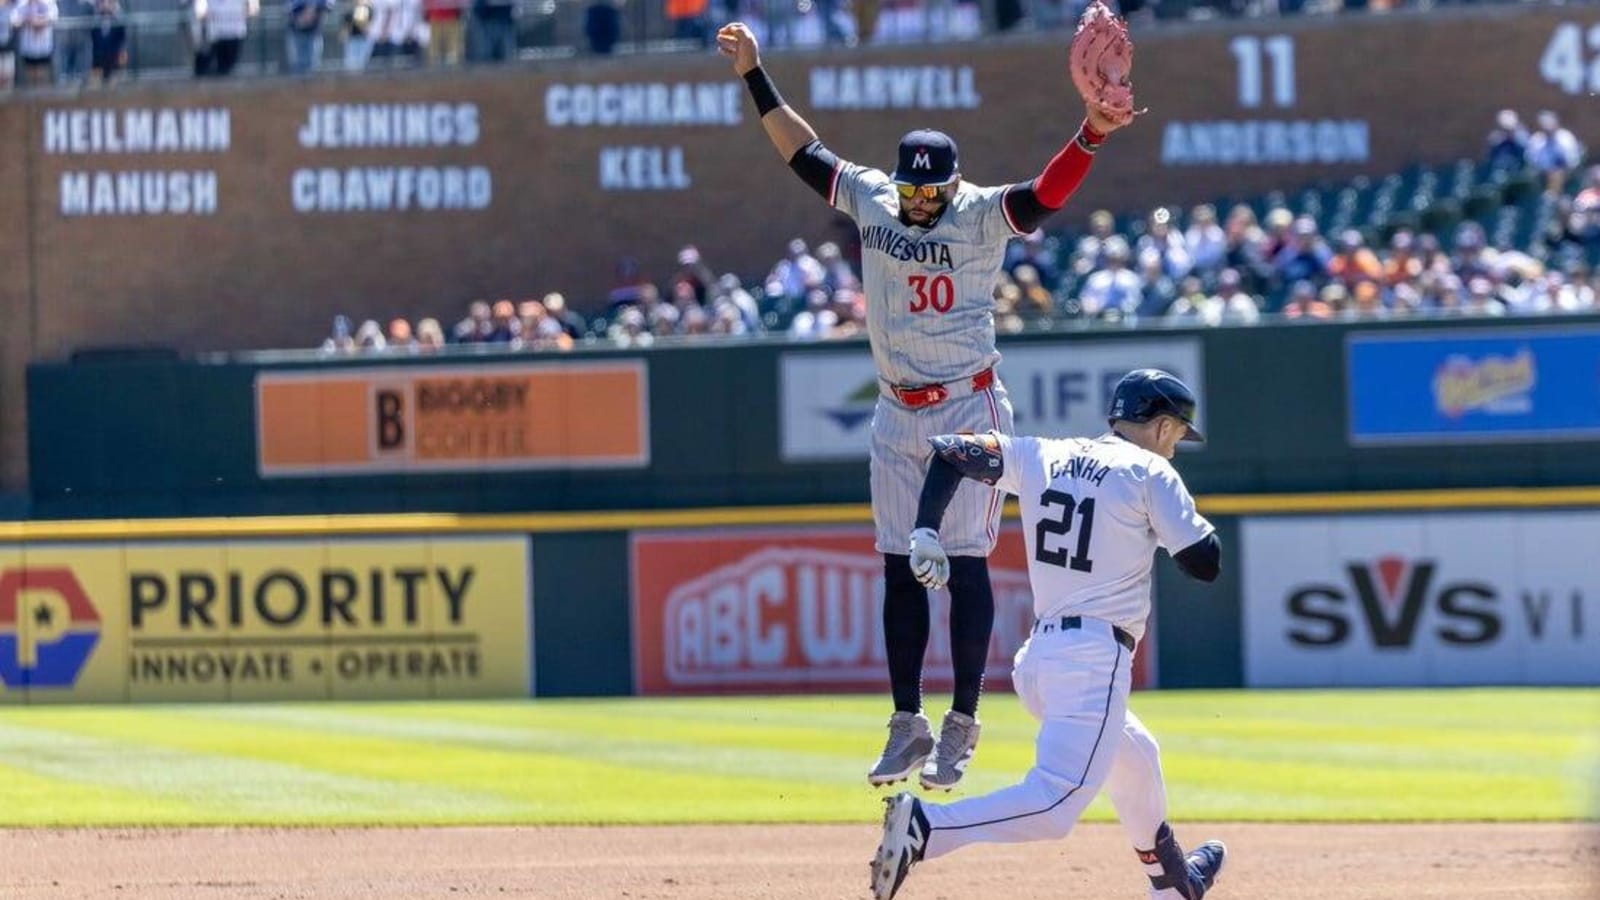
<point x="226" y="216"/>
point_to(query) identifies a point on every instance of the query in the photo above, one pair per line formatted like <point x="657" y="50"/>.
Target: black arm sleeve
<point x="816" y="165"/>
<point x="1201" y="560"/>
<point x="1024" y="208"/>
<point x="938" y="489"/>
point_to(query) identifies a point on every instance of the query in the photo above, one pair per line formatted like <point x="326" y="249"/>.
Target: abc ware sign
<point x="799" y="609"/>
<point x="1436" y="599"/>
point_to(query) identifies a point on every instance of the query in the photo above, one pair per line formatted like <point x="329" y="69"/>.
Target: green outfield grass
<point x="1229" y="755"/>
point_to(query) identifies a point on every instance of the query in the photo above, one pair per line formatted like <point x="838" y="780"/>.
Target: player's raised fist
<point x="736" y="41"/>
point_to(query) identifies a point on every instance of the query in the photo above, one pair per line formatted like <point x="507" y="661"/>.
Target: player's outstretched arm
<point x="787" y="131"/>
<point x="956" y="456"/>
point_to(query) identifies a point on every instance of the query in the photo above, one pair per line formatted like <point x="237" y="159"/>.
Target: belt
<point x="1067" y="623"/>
<point x="934" y="394"/>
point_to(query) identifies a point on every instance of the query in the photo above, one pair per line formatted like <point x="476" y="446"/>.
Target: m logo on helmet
<point x="921" y="160"/>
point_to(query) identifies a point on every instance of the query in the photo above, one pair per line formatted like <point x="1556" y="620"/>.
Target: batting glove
<point x="929" y="563"/>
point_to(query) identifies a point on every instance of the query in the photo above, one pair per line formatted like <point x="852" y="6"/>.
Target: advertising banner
<point x="1422" y="599"/>
<point x="452" y="418"/>
<point x="828" y="398"/>
<point x="795" y="610"/>
<point x="1539" y="384"/>
<point x="301" y="619"/>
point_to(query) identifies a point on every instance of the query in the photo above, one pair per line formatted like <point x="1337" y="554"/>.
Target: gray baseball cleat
<point x="958" y="739"/>
<point x="905" y="835"/>
<point x="910" y="742"/>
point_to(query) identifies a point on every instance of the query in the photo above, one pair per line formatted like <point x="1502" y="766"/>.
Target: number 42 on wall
<point x="1565" y="64"/>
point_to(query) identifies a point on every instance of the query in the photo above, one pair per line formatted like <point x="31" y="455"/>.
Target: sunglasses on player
<point x="926" y="191"/>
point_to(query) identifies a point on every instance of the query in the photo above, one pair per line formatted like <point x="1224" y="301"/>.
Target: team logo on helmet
<point x="921" y="160"/>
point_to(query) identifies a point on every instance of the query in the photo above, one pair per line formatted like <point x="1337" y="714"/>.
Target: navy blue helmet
<point x="1143" y="394"/>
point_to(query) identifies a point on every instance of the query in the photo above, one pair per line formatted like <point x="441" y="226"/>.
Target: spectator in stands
<point x="571" y="323"/>
<point x="1481" y="299"/>
<point x="476" y="327"/>
<point x="816" y="320"/>
<point x="1304" y="304"/>
<point x="628" y="329"/>
<point x="223" y="25"/>
<point x="1167" y="243"/>
<point x="798" y="272"/>
<point x="369" y="337"/>
<point x="693" y="270"/>
<point x="1279" y="231"/>
<point x="1089" y="255"/>
<point x="1114" y="291"/>
<point x="397" y="30"/>
<point x="1034" y="301"/>
<point x="8" y="56"/>
<point x="1508" y="143"/>
<point x="446" y="35"/>
<point x="340" y="339"/>
<point x="780" y="17"/>
<point x="836" y="273"/>
<point x="1355" y="261"/>
<point x="850" y="314"/>
<point x="1306" y="257"/>
<point x="1006" y="319"/>
<point x="33" y="24"/>
<point x="1473" y="258"/>
<point x="1366" y="301"/>
<point x="430" y="337"/>
<point x="72" y="40"/>
<point x="1037" y="250"/>
<point x="494" y="35"/>
<point x="303" y="34"/>
<point x="1160" y="288"/>
<point x="690" y="20"/>
<point x="108" y="42"/>
<point x="1404" y="264"/>
<point x="1204" y="239"/>
<point x="1246" y="250"/>
<point x="1234" y="305"/>
<point x="400" y="337"/>
<point x="1554" y="293"/>
<point x="630" y="283"/>
<point x="357" y="31"/>
<point x="503" y="324"/>
<point x="731" y="293"/>
<point x="602" y="26"/>
<point x="1336" y="297"/>
<point x="1554" y="151"/>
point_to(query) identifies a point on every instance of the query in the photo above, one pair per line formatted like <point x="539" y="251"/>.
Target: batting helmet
<point x="1143" y="394"/>
<point x="926" y="157"/>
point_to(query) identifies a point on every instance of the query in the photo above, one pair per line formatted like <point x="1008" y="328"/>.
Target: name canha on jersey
<point x="930" y="291"/>
<point x="1093" y="512"/>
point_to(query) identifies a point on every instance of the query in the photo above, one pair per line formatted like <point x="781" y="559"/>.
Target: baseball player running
<point x="1094" y="511"/>
<point x="932" y="247"/>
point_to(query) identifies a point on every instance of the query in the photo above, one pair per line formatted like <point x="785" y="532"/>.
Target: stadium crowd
<point x="1232" y="269"/>
<point x="88" y="42"/>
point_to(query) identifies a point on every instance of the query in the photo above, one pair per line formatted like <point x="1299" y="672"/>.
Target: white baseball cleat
<point x="905" y="834"/>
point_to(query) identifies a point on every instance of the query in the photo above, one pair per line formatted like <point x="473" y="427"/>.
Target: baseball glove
<point x="1102" y="63"/>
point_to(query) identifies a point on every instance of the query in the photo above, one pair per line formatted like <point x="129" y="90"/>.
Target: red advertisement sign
<point x="795" y="610"/>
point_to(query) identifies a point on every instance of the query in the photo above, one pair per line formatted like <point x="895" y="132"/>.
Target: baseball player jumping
<point x="1094" y="511"/>
<point x="932" y="248"/>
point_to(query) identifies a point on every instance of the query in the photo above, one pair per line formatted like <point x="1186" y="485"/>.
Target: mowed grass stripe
<point x="1281" y="755"/>
<point x="31" y="798"/>
<point x="219" y="787"/>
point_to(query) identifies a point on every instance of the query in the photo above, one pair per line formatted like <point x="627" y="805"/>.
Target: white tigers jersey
<point x="1094" y="510"/>
<point x="930" y="291"/>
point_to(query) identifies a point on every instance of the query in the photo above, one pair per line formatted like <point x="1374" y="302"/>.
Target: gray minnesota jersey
<point x="930" y="319"/>
<point x="930" y="292"/>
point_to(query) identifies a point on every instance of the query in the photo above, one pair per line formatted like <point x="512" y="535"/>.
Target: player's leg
<point x="1078" y="680"/>
<point x="896" y="480"/>
<point x="1138" y="792"/>
<point x="969" y="532"/>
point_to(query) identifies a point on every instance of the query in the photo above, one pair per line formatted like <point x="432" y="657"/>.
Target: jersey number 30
<point x="938" y="292"/>
<point x="1046" y="526"/>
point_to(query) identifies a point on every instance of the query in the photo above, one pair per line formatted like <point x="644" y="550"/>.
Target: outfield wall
<point x="1420" y="588"/>
<point x="1287" y="408"/>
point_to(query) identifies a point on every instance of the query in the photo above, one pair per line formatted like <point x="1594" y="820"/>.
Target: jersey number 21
<point x="1046" y="526"/>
